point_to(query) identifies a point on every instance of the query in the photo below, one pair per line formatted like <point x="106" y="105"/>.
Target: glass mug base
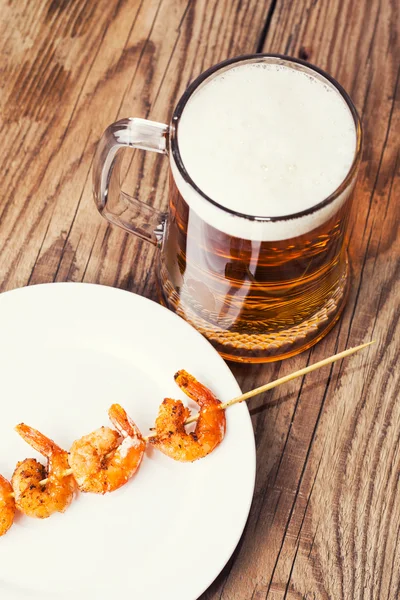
<point x="259" y="347"/>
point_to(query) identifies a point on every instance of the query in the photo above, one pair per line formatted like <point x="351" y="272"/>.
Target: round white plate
<point x="68" y="351"/>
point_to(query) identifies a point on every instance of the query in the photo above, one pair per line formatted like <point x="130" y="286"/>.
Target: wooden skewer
<point x="267" y="386"/>
<point x="286" y="378"/>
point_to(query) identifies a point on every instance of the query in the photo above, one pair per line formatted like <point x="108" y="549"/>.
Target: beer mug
<point x="263" y="152"/>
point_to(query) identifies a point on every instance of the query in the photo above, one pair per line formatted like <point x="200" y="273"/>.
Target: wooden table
<point x="325" y="520"/>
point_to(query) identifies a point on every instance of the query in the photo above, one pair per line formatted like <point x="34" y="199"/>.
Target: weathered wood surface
<point x="325" y="520"/>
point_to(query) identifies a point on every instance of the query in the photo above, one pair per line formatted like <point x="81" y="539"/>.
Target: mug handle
<point x="113" y="204"/>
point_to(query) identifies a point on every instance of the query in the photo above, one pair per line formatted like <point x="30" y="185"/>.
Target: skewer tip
<point x="361" y="346"/>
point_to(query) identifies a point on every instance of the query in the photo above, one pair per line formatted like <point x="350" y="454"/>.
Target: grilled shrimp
<point x="170" y="435"/>
<point x="106" y="459"/>
<point x="33" y="498"/>
<point x="7" y="505"/>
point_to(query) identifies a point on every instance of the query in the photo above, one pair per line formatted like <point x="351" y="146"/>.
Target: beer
<point x="254" y="255"/>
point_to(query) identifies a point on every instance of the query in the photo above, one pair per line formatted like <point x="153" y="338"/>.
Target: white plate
<point x="68" y="351"/>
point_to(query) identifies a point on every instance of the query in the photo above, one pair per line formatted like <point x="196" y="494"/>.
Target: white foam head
<point x="265" y="139"/>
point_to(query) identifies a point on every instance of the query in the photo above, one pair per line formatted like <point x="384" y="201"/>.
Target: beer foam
<point x="265" y="139"/>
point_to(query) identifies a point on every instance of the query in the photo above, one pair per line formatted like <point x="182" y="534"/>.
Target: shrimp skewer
<point x="105" y="459"/>
<point x="171" y="437"/>
<point x="264" y="388"/>
<point x="7" y="505"/>
<point x="32" y="498"/>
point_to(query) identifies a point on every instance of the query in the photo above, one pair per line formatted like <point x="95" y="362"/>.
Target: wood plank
<point x="71" y="69"/>
<point x="325" y="518"/>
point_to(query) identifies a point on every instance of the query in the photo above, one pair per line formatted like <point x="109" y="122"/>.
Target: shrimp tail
<point x="37" y="440"/>
<point x="194" y="389"/>
<point x="122" y="422"/>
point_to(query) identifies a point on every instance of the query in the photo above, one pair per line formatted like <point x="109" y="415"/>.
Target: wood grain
<point x="325" y="520"/>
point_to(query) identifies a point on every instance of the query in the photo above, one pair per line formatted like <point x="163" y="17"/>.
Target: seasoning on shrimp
<point x="105" y="459"/>
<point x="33" y="498"/>
<point x="171" y="437"/>
<point x="7" y="505"/>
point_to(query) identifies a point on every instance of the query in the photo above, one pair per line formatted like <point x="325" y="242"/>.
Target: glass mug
<point x="258" y="288"/>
